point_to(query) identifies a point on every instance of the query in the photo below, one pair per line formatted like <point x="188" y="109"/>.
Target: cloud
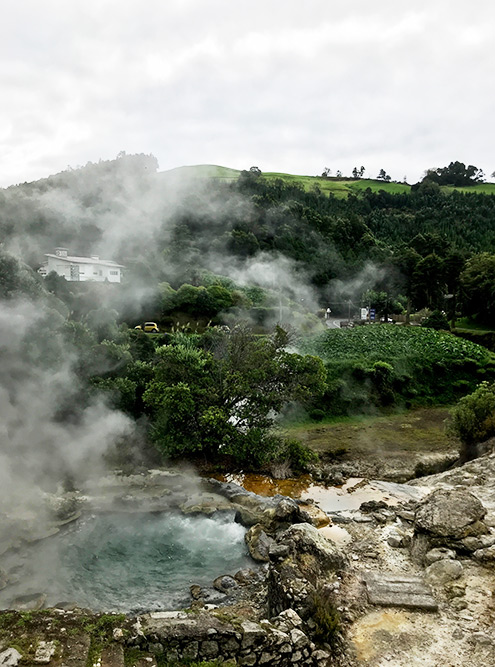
<point x="289" y="89"/>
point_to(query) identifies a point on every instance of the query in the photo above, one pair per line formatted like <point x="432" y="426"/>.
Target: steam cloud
<point x="38" y="448"/>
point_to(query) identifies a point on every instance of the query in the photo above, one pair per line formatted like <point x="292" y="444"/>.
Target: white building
<point x="81" y="269"/>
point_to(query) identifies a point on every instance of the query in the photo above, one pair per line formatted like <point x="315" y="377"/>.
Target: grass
<point x="415" y="431"/>
<point x="340" y="187"/>
<point x="465" y="324"/>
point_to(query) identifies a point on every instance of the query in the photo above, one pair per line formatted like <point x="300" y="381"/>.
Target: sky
<point x="285" y="86"/>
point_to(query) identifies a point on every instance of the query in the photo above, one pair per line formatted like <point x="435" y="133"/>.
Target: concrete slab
<point x="399" y="590"/>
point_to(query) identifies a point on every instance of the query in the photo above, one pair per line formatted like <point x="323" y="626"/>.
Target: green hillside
<point x="203" y="171"/>
<point x="340" y="187"/>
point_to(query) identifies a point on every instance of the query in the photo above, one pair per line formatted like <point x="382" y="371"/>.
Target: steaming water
<point x="132" y="562"/>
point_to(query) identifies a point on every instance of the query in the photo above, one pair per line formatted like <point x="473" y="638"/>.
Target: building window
<point x="114" y="273"/>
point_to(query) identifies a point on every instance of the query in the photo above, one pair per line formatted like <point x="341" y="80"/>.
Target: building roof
<point x="86" y="260"/>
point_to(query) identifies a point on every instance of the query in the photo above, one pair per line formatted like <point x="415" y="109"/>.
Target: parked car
<point x="151" y="327"/>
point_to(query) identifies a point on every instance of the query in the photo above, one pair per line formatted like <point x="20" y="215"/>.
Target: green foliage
<point x="224" y="399"/>
<point x="17" y="279"/>
<point x="437" y="320"/>
<point x="297" y="454"/>
<point x="477" y="283"/>
<point x="389" y="364"/>
<point x="326" y="618"/>
<point x="473" y="418"/>
<point x="456" y="174"/>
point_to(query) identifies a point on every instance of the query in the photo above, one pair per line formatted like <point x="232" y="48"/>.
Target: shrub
<point x="473" y="419"/>
<point x="437" y="320"/>
<point x="326" y="618"/>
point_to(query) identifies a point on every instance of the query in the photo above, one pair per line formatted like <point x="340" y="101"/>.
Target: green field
<point x="340" y="187"/>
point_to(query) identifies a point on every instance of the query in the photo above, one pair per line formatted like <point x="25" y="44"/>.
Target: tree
<point x="383" y="176"/>
<point x="428" y="283"/>
<point x="224" y="400"/>
<point x="456" y="174"/>
<point x="477" y="288"/>
<point x="355" y="173"/>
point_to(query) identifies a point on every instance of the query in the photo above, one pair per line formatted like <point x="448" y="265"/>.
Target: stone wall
<point x="211" y="635"/>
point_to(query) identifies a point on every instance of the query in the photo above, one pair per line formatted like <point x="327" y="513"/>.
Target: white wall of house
<point x="83" y="269"/>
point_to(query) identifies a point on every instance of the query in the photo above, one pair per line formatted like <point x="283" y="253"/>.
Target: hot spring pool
<point x="130" y="562"/>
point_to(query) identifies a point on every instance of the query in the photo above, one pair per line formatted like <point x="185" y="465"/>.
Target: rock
<point x="485" y="556"/>
<point x="286" y="509"/>
<point x="245" y="576"/>
<point x="453" y="513"/>
<point x="44" y="652"/>
<point x="314" y="515"/>
<point x="440" y="553"/>
<point x="480" y="638"/>
<point x="10" y="658"/>
<point x="118" y="634"/>
<point x="278" y="551"/>
<point x="196" y="592"/>
<point x="389" y="590"/>
<point x="302" y="537"/>
<point x="396" y="539"/>
<point x="321" y="656"/>
<point x="251" y="633"/>
<point x="209" y="649"/>
<point x="259" y="543"/>
<point x="32" y="602"/>
<point x="373" y="506"/>
<point x="298" y="638"/>
<point x="406" y="515"/>
<point x="225" y="583"/>
<point x="287" y="620"/>
<point x="474" y="543"/>
<point x="442" y="571"/>
<point x="455" y="590"/>
<point x="190" y="651"/>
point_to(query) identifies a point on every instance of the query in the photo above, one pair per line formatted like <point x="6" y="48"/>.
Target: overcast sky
<point x="283" y="85"/>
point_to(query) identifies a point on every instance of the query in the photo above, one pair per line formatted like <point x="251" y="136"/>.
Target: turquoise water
<point x="132" y="562"/>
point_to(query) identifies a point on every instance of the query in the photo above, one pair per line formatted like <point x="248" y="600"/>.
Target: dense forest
<point x="238" y="276"/>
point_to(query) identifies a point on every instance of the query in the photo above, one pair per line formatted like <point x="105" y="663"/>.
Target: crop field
<point x="388" y="365"/>
<point x="391" y="342"/>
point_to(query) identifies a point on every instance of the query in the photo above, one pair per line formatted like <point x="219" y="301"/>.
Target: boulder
<point x="450" y="513"/>
<point x="259" y="543"/>
<point x="312" y="514"/>
<point x="32" y="602"/>
<point x="304" y="538"/>
<point x="485" y="556"/>
<point x="442" y="571"/>
<point x="225" y="583"/>
<point x="440" y="553"/>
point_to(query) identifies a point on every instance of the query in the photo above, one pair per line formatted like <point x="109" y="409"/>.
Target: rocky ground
<point x="409" y="573"/>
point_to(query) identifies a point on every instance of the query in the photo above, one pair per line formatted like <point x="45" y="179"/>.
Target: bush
<point x="473" y="419"/>
<point x="437" y="320"/>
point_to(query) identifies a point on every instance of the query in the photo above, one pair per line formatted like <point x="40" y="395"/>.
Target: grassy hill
<point x="340" y="187"/>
